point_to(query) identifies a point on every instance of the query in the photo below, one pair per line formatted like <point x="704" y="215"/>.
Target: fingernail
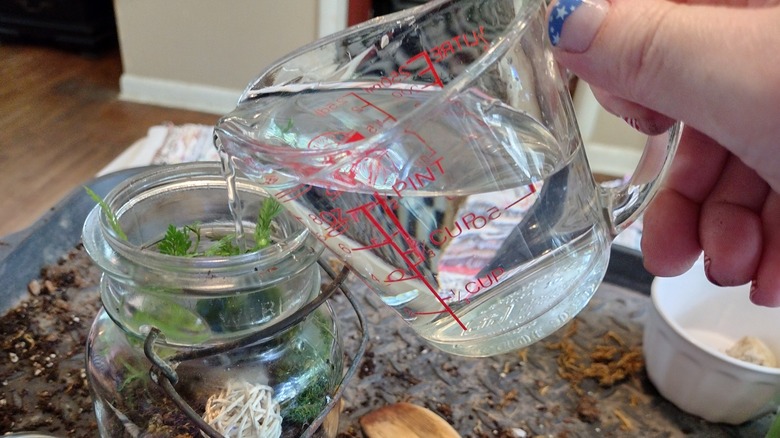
<point x="634" y="123"/>
<point x="574" y="23"/>
<point x="707" y="263"/>
<point x="753" y="290"/>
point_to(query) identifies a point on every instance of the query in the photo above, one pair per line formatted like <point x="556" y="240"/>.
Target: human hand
<point x="716" y="67"/>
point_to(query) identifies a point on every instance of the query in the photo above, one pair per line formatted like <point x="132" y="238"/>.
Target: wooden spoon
<point x="405" y="420"/>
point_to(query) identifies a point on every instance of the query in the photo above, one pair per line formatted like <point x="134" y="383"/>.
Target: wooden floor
<point x="60" y="123"/>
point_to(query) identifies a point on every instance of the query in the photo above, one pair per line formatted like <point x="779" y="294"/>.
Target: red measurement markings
<point x="355" y="136"/>
<point x="377" y="167"/>
<point x="532" y="190"/>
<point x="377" y="118"/>
<point x="331" y="106"/>
<point x="437" y="54"/>
<point x="293" y="193"/>
<point x="400" y="75"/>
<point x="371" y="162"/>
<point x="471" y="289"/>
<point x="429" y="67"/>
<point x="329" y="140"/>
<point x="395" y="77"/>
<point x="372" y="165"/>
<point x="468" y="221"/>
<point x="375" y="125"/>
<point x="451" y="46"/>
<point x="405" y="255"/>
<point x="363" y="106"/>
<point x="480" y="284"/>
<point x="412" y="313"/>
<point x="419" y="179"/>
<point x="333" y="222"/>
<point x="466" y="115"/>
<point x="332" y="141"/>
<point x="270" y="179"/>
<point x="472" y="221"/>
<point x="410" y="90"/>
<point x="426" y="159"/>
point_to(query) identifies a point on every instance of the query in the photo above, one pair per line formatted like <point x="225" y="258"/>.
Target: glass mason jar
<point x="206" y="304"/>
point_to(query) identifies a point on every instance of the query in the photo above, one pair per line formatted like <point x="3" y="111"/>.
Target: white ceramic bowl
<point x="691" y="324"/>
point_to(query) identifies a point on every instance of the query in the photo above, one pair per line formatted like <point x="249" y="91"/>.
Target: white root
<point x="242" y="410"/>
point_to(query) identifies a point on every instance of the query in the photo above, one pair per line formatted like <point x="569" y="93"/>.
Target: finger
<point x="765" y="290"/>
<point x="670" y="241"/>
<point x="644" y="52"/>
<point x="640" y="118"/>
<point x="670" y="235"/>
<point x="697" y="166"/>
<point x="730" y="225"/>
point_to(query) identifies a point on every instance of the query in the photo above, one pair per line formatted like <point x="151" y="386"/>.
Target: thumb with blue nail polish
<point x="580" y="18"/>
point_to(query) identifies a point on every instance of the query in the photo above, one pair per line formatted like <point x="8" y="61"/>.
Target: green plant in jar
<point x="311" y="359"/>
<point x="187" y="241"/>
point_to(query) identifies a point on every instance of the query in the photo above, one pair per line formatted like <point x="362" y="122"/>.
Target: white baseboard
<point x="175" y="94"/>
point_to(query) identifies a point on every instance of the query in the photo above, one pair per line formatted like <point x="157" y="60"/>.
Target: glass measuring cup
<point x="436" y="152"/>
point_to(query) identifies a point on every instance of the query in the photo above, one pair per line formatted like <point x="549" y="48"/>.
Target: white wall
<point x="200" y="54"/>
<point x="613" y="147"/>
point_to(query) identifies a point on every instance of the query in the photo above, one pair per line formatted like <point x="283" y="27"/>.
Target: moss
<point x="308" y="404"/>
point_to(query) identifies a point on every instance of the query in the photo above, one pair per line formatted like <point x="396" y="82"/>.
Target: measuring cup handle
<point x="625" y="203"/>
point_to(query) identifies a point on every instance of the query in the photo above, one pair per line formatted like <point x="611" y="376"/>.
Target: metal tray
<point x="395" y="351"/>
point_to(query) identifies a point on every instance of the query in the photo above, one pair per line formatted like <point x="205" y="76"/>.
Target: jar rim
<point x="157" y="180"/>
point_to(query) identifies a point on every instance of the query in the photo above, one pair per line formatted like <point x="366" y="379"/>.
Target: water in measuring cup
<point x="478" y="226"/>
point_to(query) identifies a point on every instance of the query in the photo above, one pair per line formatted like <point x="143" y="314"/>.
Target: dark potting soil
<point x="586" y="379"/>
<point x="42" y="365"/>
